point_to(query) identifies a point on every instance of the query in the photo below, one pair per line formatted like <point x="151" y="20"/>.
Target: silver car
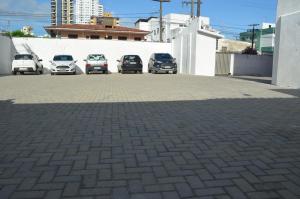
<point x="63" y="64"/>
<point x="96" y="63"/>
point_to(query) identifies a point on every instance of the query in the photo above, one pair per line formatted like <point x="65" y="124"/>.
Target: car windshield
<point x="63" y="58"/>
<point x="96" y="58"/>
<point x="132" y="58"/>
<point x="163" y="56"/>
<point x="23" y="57"/>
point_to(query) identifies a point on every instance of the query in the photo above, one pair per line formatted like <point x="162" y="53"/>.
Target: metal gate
<point x="223" y="61"/>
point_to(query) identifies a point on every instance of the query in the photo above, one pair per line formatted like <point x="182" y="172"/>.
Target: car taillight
<point x="88" y="65"/>
<point x="106" y="65"/>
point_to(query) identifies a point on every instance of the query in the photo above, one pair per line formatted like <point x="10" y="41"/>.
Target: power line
<point x="192" y="3"/>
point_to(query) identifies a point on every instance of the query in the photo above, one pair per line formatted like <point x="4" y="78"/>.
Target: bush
<point x="18" y="33"/>
<point x="250" y="51"/>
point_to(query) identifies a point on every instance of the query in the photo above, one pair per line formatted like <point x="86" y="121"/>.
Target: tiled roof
<point x="88" y="27"/>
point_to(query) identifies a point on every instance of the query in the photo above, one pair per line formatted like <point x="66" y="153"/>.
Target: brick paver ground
<point x="147" y="137"/>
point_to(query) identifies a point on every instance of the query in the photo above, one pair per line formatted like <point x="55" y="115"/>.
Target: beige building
<point x="107" y="19"/>
<point x="62" y="12"/>
<point x="87" y="31"/>
<point x="232" y="46"/>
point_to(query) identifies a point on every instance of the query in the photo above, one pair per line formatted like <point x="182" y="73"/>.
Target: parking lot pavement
<point x="147" y="136"/>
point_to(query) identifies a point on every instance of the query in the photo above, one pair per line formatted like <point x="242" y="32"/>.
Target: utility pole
<point x="192" y="3"/>
<point x="192" y="8"/>
<point x="161" y="18"/>
<point x="199" y="2"/>
<point x="253" y="34"/>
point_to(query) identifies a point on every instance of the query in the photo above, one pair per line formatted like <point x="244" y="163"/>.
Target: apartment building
<point x="87" y="8"/>
<point x="101" y="10"/>
<point x="264" y="37"/>
<point x="62" y="12"/>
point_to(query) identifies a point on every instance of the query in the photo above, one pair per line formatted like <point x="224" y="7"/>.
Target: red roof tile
<point x="88" y="27"/>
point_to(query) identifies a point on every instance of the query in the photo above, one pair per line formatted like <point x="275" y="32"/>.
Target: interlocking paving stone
<point x="170" y="195"/>
<point x="53" y="194"/>
<point x="6" y="191"/>
<point x="147" y="136"/>
<point x="234" y="192"/>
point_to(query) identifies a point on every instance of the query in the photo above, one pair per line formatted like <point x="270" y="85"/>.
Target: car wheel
<point x="22" y="73"/>
<point x="123" y="72"/>
<point x="14" y="73"/>
<point x="149" y="71"/>
<point x="87" y="72"/>
<point x="42" y="71"/>
<point x="174" y="72"/>
<point x="74" y="73"/>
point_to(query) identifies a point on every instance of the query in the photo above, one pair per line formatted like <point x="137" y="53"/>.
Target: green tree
<point x="19" y="33"/>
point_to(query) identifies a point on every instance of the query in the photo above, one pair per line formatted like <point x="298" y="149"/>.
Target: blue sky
<point x="229" y="16"/>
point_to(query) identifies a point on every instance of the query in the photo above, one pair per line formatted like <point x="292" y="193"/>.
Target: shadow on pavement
<point x="264" y="80"/>
<point x="144" y="149"/>
<point x="293" y="92"/>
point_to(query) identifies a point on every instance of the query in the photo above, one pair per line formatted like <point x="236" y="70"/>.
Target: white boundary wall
<point x="286" y="70"/>
<point x="260" y="65"/>
<point x="79" y="49"/>
<point x="239" y="64"/>
<point x="6" y="55"/>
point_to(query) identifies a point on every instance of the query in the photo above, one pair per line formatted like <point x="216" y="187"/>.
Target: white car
<point x="96" y="63"/>
<point x="27" y="63"/>
<point x="63" y="64"/>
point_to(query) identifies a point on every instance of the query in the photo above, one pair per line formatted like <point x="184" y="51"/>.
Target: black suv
<point x="162" y="62"/>
<point x="130" y="63"/>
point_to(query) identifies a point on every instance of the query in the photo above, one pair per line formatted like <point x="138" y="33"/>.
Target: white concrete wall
<point x="287" y="7"/>
<point x="6" y="55"/>
<point x="259" y="65"/>
<point x="195" y="50"/>
<point x="113" y="50"/>
<point x="286" y="70"/>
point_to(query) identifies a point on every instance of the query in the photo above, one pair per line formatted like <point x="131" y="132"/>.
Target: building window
<point x="122" y="38"/>
<point x="71" y="36"/>
<point x="137" y="39"/>
<point x="108" y="37"/>
<point x="95" y="37"/>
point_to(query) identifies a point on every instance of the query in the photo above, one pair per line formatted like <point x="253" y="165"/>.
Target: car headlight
<point x="158" y="62"/>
